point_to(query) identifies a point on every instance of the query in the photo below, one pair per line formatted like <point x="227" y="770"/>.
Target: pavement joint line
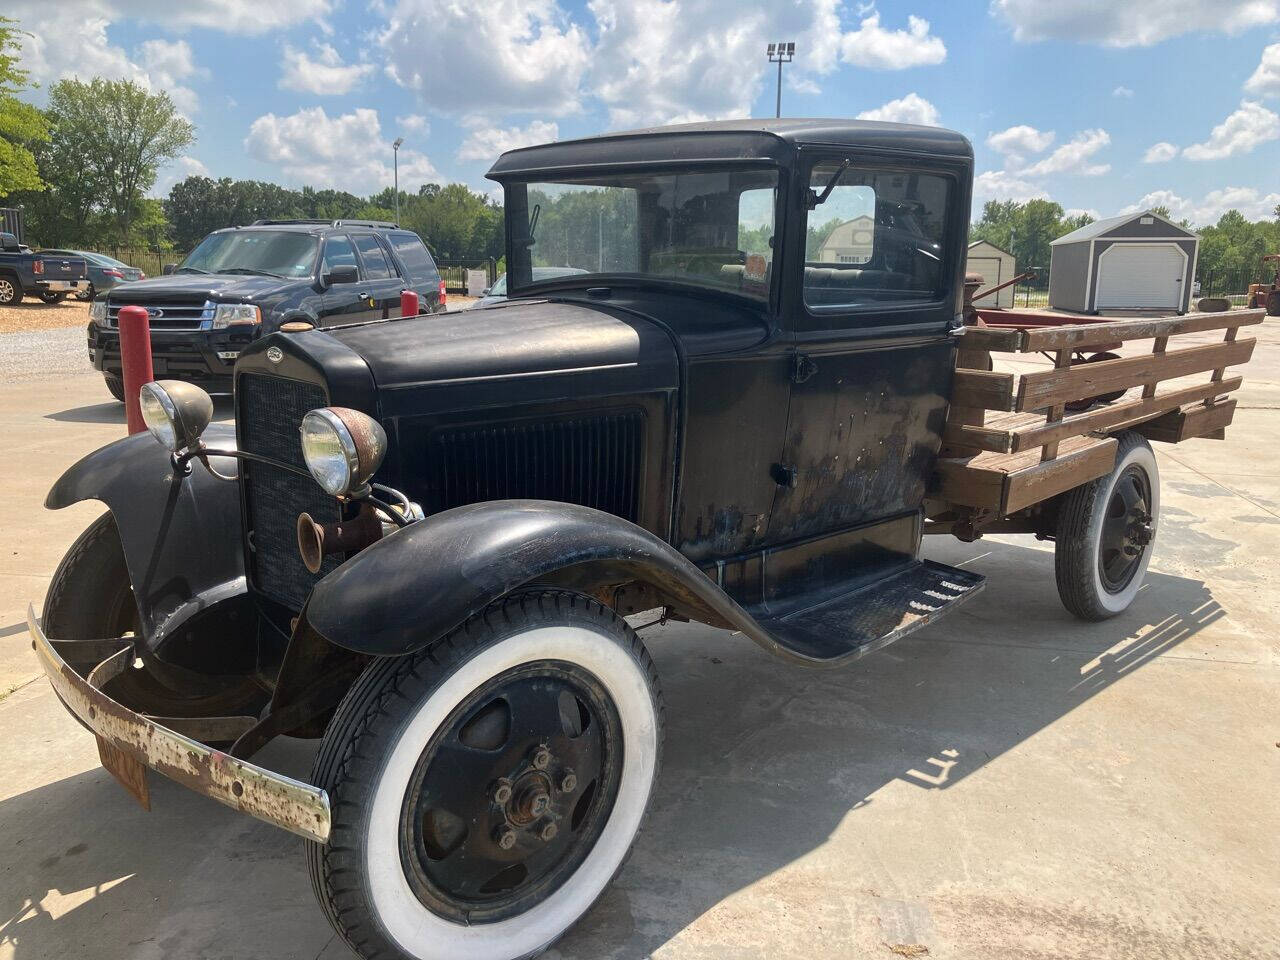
<point x="1055" y="649"/>
<point x="1223" y="485"/>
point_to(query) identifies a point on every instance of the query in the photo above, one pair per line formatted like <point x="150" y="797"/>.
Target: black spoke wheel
<point x="1105" y="532"/>
<point x="512" y="794"/>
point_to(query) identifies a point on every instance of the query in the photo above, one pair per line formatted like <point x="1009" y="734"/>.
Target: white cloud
<point x="1161" y="152"/>
<point x="310" y="147"/>
<point x="1074" y="157"/>
<point x="165" y="65"/>
<point x="912" y="108"/>
<point x="323" y="73"/>
<point x="486" y="143"/>
<point x="874" y="47"/>
<point x="1266" y="79"/>
<point x="1002" y="185"/>
<point x="1122" y="92"/>
<point x="504" y="55"/>
<point x="1016" y="142"/>
<point x="1131" y="23"/>
<point x="1089" y="212"/>
<point x="1241" y="132"/>
<point x="414" y="123"/>
<point x="1253" y="204"/>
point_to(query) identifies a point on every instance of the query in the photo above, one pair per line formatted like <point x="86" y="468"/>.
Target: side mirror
<point x="9" y="243"/>
<point x="343" y="273"/>
<point x="169" y="268"/>
<point x="485" y="291"/>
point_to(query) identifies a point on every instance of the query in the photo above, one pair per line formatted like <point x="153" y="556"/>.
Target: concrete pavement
<point x="1007" y="783"/>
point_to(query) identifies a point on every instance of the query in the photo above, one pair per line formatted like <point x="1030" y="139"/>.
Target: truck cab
<point x="421" y="539"/>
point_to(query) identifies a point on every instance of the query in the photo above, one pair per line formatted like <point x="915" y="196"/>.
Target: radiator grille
<point x="270" y="411"/>
<point x="591" y="461"/>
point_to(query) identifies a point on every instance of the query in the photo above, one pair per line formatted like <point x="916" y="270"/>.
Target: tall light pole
<point x="395" y="151"/>
<point x="781" y="53"/>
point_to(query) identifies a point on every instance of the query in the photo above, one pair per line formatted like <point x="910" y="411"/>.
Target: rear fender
<point x="424" y="580"/>
<point x="180" y="534"/>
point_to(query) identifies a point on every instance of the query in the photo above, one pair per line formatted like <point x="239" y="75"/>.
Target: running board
<point x="857" y="623"/>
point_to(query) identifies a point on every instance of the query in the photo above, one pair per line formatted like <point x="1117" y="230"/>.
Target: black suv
<point x="242" y="283"/>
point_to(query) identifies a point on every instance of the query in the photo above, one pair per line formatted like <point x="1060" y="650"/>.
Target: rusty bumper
<point x="297" y="807"/>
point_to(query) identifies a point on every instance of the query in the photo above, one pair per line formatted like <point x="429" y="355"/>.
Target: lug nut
<point x="541" y="757"/>
<point x="548" y="832"/>
<point x="506" y="838"/>
<point x="568" y="783"/>
<point x="502" y="791"/>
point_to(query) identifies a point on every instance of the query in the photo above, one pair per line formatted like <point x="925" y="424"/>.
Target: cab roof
<point x="761" y="141"/>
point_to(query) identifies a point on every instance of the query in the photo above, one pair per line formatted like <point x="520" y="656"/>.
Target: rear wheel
<point x="486" y="789"/>
<point x="90" y="599"/>
<point x="10" y="291"/>
<point x="1106" y="529"/>
<point x="51" y="296"/>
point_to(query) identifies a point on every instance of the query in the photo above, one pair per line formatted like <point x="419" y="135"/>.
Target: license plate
<point x="127" y="769"/>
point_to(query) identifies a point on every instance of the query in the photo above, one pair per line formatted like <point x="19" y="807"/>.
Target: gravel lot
<point x="33" y="315"/>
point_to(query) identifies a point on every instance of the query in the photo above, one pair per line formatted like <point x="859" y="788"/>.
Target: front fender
<point x="181" y="534"/>
<point x="426" y="579"/>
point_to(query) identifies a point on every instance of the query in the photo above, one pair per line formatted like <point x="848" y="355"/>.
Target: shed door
<point x="1141" y="276"/>
<point x="992" y="276"/>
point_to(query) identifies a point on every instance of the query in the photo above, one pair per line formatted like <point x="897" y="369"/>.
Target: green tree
<point x="22" y="126"/>
<point x="133" y="131"/>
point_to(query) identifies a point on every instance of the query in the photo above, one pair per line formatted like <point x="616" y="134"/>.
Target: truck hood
<point x="186" y="287"/>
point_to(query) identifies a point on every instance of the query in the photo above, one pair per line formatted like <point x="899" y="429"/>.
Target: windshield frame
<point x="310" y="275"/>
<point x="516" y="216"/>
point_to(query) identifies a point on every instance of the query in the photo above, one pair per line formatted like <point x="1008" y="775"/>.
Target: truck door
<point x="341" y="302"/>
<point x="871" y="309"/>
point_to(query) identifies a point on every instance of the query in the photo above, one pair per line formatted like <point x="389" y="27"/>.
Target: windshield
<point x="275" y="253"/>
<point x="709" y="228"/>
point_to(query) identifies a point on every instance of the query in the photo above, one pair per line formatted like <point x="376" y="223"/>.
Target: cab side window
<point x="876" y="240"/>
<point x="375" y="261"/>
<point x="338" y="252"/>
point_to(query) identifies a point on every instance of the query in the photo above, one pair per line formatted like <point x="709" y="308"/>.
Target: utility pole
<point x="395" y="151"/>
<point x="781" y="53"/>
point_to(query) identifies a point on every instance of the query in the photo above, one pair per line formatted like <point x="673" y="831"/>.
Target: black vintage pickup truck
<point x="419" y="542"/>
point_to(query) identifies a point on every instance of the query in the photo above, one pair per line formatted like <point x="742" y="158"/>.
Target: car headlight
<point x="235" y="314"/>
<point x="98" y="311"/>
<point x="343" y="449"/>
<point x="176" y="413"/>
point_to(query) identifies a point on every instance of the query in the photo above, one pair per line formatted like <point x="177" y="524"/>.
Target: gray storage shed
<point x="996" y="266"/>
<point x="1137" y="261"/>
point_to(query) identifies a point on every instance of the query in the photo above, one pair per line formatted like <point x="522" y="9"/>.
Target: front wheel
<point x="1105" y="533"/>
<point x="486" y="789"/>
<point x="115" y="385"/>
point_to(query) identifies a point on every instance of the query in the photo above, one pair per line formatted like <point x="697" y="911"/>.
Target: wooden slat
<point x="992" y="338"/>
<point x="1072" y="336"/>
<point x="1045" y="389"/>
<point x="983" y="388"/>
<point x="1114" y="415"/>
<point x="1006" y="483"/>
<point x="1196" y="420"/>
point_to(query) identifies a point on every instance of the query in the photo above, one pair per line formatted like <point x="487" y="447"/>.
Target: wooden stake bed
<point x="1012" y="441"/>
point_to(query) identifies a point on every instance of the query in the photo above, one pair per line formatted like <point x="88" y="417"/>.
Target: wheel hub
<point x="1127" y="530"/>
<point x="512" y="792"/>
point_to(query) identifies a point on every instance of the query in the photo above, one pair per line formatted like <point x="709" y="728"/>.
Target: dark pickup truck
<point x="50" y="278"/>
<point x="242" y="283"/>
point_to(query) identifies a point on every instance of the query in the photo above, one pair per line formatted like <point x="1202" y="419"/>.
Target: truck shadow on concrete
<point x="762" y="762"/>
<point x="112" y="411"/>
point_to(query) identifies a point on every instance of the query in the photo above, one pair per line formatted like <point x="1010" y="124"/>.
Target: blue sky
<point x="1061" y="98"/>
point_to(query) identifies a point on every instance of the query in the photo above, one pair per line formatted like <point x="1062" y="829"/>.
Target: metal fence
<point x="150" y="262"/>
<point x="1230" y="283"/>
<point x="454" y="272"/>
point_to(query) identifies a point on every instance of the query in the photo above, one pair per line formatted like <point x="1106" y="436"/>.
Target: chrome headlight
<point x="176" y="413"/>
<point x="343" y="449"/>
<point x="98" y="311"/>
<point x="235" y="314"/>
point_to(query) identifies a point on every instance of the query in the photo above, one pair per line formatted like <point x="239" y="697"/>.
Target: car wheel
<point x="486" y="789"/>
<point x="10" y="291"/>
<point x="87" y="294"/>
<point x="115" y="385"/>
<point x="90" y="598"/>
<point x="51" y="296"/>
<point x="1106" y="529"/>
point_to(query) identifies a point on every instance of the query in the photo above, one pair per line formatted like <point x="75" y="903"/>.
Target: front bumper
<point x="272" y="797"/>
<point x="201" y="356"/>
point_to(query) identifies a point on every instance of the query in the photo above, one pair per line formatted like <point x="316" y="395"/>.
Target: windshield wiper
<point x="251" y="272"/>
<point x="192" y="269"/>
<point x="815" y="199"/>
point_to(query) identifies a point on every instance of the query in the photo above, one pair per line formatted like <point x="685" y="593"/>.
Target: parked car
<point x="47" y="276"/>
<point x="104" y="272"/>
<point x="240" y="284"/>
<point x="498" y="292"/>
<point x="419" y="540"/>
